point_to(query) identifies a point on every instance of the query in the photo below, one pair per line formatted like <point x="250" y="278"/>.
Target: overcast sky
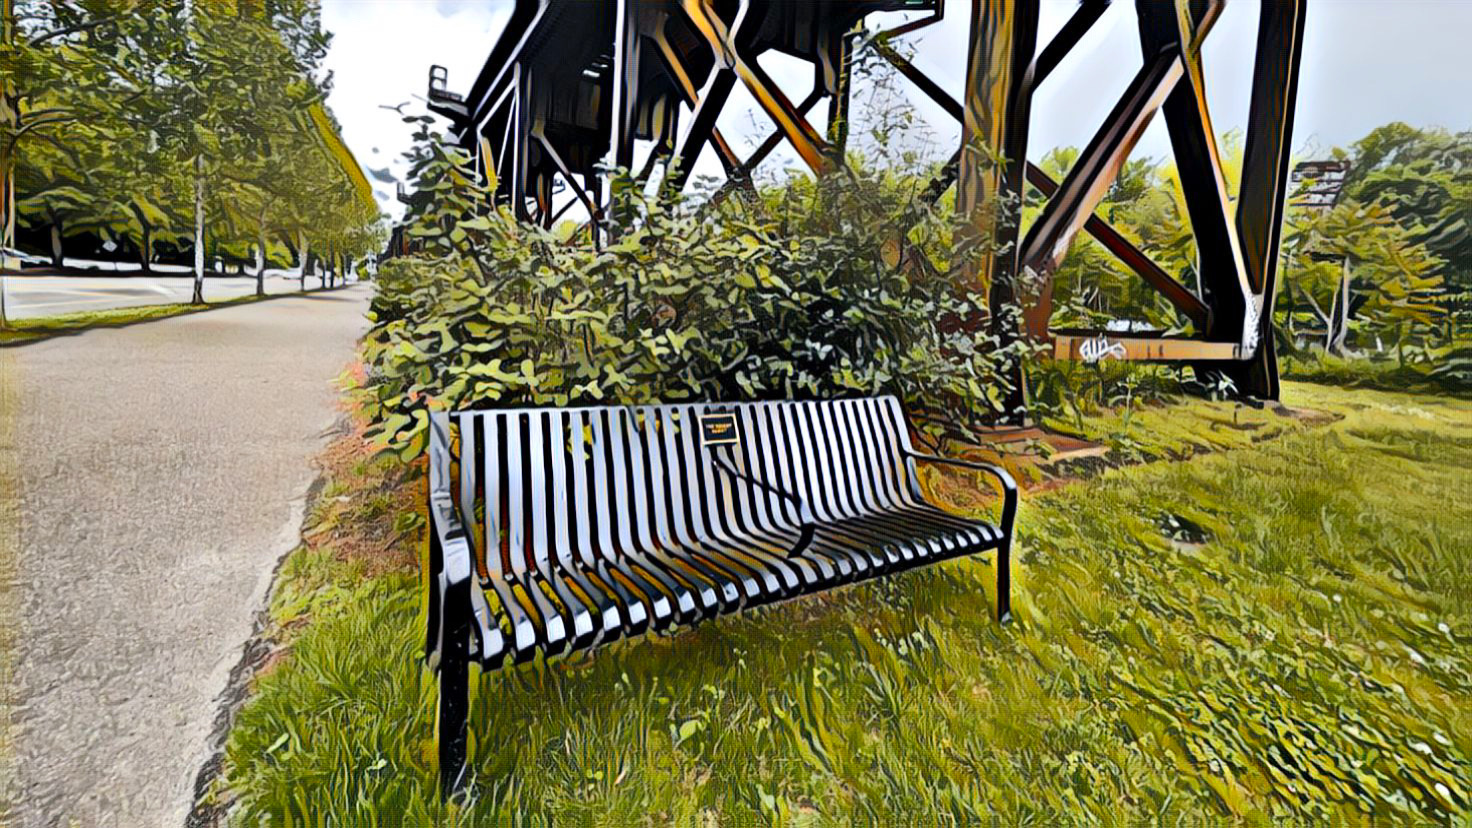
<point x="1365" y="63"/>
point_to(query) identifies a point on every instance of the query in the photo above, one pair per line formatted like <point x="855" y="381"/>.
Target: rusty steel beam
<point x="1263" y="193"/>
<point x="913" y="74"/>
<point x="839" y="105"/>
<point x="1098" y="346"/>
<point x="801" y="134"/>
<point x="563" y="209"/>
<point x="702" y="124"/>
<point x="741" y="175"/>
<point x="567" y="175"/>
<point x="1083" y="19"/>
<point x="770" y="143"/>
<point x="1198" y="162"/>
<point x="729" y="160"/>
<point x="519" y="132"/>
<point x="1099" y="164"/>
<point x="1131" y="256"/>
<point x="1178" y="294"/>
<point x="995" y="114"/>
<point x="914" y="25"/>
<point x="542" y="188"/>
<point x="487" y="166"/>
<point x="626" y="49"/>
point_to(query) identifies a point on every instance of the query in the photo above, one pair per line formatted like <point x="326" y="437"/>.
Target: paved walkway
<point x="162" y="469"/>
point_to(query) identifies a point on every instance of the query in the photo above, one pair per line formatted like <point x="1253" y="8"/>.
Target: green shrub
<point x="1434" y="370"/>
<point x="787" y="296"/>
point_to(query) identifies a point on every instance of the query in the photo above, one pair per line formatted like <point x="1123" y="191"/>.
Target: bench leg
<point x="454" y="707"/>
<point x="1004" y="581"/>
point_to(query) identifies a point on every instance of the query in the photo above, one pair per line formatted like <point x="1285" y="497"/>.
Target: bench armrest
<point x="1009" y="486"/>
<point x="454" y="546"/>
<point x="457" y="559"/>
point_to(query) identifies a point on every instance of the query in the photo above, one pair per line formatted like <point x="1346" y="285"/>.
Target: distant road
<point x="30" y="296"/>
<point x="161" y="471"/>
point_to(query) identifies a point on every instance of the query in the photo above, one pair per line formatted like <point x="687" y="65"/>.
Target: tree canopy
<point x="197" y="124"/>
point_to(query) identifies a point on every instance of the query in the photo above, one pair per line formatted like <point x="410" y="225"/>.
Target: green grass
<point x="1279" y="633"/>
<point x="31" y="329"/>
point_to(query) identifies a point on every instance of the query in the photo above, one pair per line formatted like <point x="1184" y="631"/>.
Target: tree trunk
<point x="57" y="249"/>
<point x="306" y="248"/>
<point x="7" y="197"/>
<point x="9" y="123"/>
<point x="1329" y="322"/>
<point x="1292" y="306"/>
<point x="1343" y="324"/>
<point x="261" y="262"/>
<point x="145" y="250"/>
<point x="198" y="231"/>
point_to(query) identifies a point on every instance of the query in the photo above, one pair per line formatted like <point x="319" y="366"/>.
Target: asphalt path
<point x="31" y="296"/>
<point x="163" y="469"/>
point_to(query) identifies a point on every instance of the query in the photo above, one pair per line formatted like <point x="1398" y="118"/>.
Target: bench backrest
<point x="548" y="484"/>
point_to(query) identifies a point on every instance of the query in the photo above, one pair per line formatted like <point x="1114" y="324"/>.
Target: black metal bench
<point x="574" y="527"/>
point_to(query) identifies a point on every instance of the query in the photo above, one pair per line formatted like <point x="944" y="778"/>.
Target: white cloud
<point x="381" y="53"/>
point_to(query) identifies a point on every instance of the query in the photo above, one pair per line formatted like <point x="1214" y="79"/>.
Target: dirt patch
<point x="1041" y="460"/>
<point x="361" y="518"/>
<point x="1308" y="416"/>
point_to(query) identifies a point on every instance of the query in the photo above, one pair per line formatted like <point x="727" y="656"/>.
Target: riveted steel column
<point x="1178" y="29"/>
<point x="843" y="58"/>
<point x="996" y="110"/>
<point x="1265" y="163"/>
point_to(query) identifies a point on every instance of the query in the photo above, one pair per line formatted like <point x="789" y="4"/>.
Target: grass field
<point x="31" y="329"/>
<point x="1276" y="632"/>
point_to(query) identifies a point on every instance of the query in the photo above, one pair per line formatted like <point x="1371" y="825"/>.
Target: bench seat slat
<point x="853" y="552"/>
<point x="741" y="579"/>
<point x="688" y="516"/>
<point x="753" y="505"/>
<point x="600" y="616"/>
<point x="713" y="525"/>
<point x="622" y="614"/>
<point x="602" y="523"/>
<point x="805" y="479"/>
<point x="664" y="492"/>
<point x="697" y="592"/>
<point x="612" y="428"/>
<point x="631" y="586"/>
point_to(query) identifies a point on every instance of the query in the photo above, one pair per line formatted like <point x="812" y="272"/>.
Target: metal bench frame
<point x="858" y="511"/>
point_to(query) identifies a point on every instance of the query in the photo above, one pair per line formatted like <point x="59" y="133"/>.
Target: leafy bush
<point x="1437" y="371"/>
<point x="1070" y="390"/>
<point x="791" y="295"/>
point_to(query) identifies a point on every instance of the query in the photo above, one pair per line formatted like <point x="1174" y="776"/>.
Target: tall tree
<point x="1425" y="177"/>
<point x="1356" y="262"/>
